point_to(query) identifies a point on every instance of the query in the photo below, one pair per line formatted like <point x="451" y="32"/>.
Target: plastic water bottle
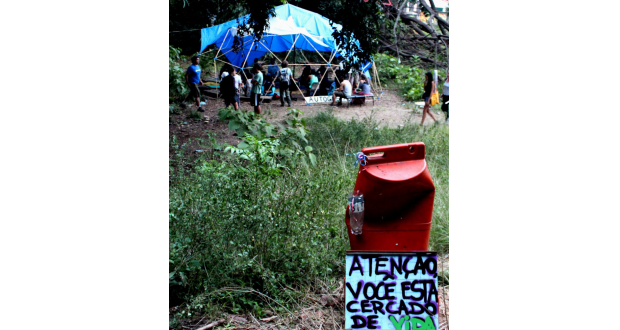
<point x="356" y="212"/>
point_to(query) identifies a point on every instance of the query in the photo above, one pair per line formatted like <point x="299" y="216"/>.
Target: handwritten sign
<point x="319" y="99"/>
<point x="391" y="290"/>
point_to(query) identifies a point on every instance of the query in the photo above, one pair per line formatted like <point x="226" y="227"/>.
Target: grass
<point x="242" y="240"/>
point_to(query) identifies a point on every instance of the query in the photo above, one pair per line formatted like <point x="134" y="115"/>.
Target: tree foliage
<point x="376" y="26"/>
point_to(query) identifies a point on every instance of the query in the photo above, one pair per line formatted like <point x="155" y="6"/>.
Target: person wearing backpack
<point x="230" y="88"/>
<point x="285" y="75"/>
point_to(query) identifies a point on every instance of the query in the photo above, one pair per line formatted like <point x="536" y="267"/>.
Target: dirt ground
<point x="389" y="109"/>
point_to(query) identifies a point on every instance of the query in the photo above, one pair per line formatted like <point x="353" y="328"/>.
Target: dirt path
<point x="390" y="109"/>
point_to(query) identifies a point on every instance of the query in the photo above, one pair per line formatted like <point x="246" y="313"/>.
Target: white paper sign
<point x="319" y="99"/>
<point x="391" y="291"/>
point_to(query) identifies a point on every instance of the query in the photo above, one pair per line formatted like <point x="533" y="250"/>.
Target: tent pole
<point x="315" y="49"/>
<point x="376" y="72"/>
<point x="226" y="36"/>
<point x="246" y="57"/>
<point x="322" y="77"/>
<point x="335" y="75"/>
<point x="216" y="54"/>
<point x="244" y="43"/>
<point x="304" y="56"/>
<point x="289" y="51"/>
<point x="217" y="93"/>
<point x="299" y="89"/>
<point x="274" y="55"/>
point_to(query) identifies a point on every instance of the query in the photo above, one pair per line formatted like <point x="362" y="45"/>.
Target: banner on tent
<point x="319" y="99"/>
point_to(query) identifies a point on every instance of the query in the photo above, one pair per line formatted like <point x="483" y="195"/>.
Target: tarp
<point x="307" y="30"/>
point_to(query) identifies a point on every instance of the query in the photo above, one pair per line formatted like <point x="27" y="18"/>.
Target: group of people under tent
<point x="254" y="82"/>
<point x="247" y="83"/>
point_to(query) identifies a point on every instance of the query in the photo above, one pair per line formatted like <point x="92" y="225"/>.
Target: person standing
<point x="257" y="86"/>
<point x="192" y="78"/>
<point x="344" y="90"/>
<point x="232" y="83"/>
<point x="273" y="69"/>
<point x="445" y="97"/>
<point x="285" y="75"/>
<point x="225" y="71"/>
<point x="429" y="89"/>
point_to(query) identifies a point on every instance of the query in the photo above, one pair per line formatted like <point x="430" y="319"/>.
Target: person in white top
<point x="344" y="90"/>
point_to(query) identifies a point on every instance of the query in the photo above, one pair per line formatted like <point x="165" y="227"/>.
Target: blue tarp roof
<point x="310" y="30"/>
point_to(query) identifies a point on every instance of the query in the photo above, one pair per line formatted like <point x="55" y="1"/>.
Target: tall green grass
<point x="233" y="226"/>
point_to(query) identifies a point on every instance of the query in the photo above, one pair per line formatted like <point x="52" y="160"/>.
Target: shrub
<point x="242" y="239"/>
<point x="274" y="147"/>
<point x="409" y="79"/>
<point x="177" y="87"/>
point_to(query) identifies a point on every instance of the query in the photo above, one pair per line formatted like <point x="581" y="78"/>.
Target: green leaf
<point x="308" y="148"/>
<point x="312" y="159"/>
<point x="233" y="125"/>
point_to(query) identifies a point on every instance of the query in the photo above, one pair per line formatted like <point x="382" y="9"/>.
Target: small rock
<point x="240" y="319"/>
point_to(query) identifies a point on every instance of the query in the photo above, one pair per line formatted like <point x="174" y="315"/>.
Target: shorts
<point x="229" y="101"/>
<point x="255" y="99"/>
<point x="193" y="90"/>
<point x="427" y="98"/>
<point x="342" y="94"/>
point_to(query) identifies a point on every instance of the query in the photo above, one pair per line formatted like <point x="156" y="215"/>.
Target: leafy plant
<point x="265" y="152"/>
<point x="286" y="143"/>
<point x="176" y="75"/>
<point x="408" y="78"/>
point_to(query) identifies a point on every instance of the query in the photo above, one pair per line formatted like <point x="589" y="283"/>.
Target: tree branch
<point x="395" y="25"/>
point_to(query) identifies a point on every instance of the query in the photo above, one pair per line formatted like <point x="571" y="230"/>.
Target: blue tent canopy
<point x="290" y="27"/>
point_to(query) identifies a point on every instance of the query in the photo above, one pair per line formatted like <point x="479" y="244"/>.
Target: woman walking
<point x="429" y="89"/>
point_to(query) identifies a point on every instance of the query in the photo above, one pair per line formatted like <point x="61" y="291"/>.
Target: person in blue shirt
<point x="192" y="78"/>
<point x="273" y="69"/>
